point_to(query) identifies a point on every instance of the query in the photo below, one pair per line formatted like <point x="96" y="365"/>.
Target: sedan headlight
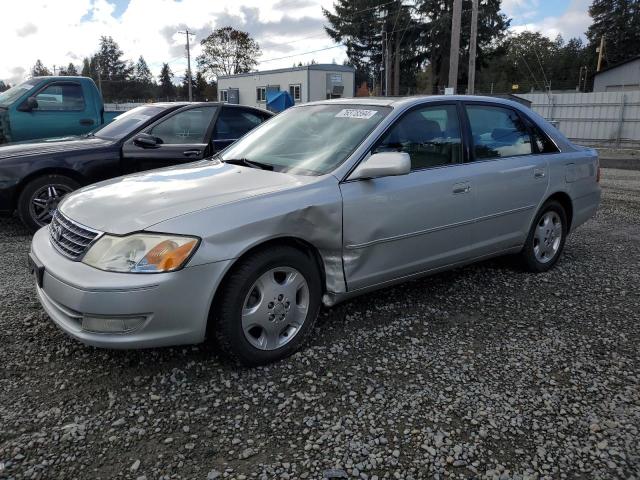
<point x="141" y="253"/>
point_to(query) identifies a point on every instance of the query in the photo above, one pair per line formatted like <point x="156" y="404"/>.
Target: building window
<point x="261" y="94"/>
<point x="224" y="95"/>
<point x="294" y="91"/>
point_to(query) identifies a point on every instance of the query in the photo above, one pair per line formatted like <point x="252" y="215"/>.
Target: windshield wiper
<point x="248" y="163"/>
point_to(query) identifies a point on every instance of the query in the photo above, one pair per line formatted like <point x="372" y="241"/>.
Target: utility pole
<point x="99" y="76"/>
<point x="396" y="67"/>
<point x="472" y="48"/>
<point x="600" y="53"/>
<point x="187" y="33"/>
<point x="454" y="52"/>
<point x="54" y="70"/>
<point x="387" y="67"/>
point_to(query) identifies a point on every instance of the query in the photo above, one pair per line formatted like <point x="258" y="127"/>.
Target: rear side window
<point x="430" y="135"/>
<point x="61" y="97"/>
<point x="233" y="123"/>
<point x="541" y="142"/>
<point x="188" y="126"/>
<point x="497" y="132"/>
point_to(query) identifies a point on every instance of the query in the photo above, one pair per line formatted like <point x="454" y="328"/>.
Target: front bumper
<point x="168" y="308"/>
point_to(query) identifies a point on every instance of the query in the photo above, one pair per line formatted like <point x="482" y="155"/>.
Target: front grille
<point x="70" y="238"/>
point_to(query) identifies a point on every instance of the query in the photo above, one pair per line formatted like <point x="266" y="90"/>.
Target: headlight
<point x="141" y="253"/>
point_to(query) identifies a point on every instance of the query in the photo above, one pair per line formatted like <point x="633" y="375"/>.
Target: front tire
<point x="266" y="308"/>
<point x="546" y="238"/>
<point x="40" y="198"/>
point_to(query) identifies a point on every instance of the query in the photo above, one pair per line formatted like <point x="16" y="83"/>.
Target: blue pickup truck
<point x="46" y="107"/>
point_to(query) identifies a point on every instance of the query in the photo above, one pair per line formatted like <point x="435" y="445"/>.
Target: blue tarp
<point x="278" y="101"/>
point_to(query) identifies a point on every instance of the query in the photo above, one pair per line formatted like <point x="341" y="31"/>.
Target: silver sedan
<point x="326" y="201"/>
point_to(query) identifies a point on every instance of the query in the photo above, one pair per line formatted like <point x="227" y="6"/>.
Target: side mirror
<point x="144" y="140"/>
<point x="30" y="104"/>
<point x="383" y="164"/>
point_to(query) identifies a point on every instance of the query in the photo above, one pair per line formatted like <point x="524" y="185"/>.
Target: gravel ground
<point x="483" y="372"/>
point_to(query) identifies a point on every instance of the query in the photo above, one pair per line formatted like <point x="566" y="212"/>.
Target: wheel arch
<point x="563" y="199"/>
<point x="298" y="243"/>
<point x="67" y="172"/>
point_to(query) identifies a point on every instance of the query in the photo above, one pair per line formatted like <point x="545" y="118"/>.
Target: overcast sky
<point x="63" y="31"/>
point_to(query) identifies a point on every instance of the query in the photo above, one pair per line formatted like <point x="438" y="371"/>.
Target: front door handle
<point x="461" y="188"/>
<point x="538" y="173"/>
<point x="191" y="153"/>
<point x="87" y="121"/>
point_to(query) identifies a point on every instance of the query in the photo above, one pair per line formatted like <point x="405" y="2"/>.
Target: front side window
<point x="430" y="135"/>
<point x="61" y="97"/>
<point x="261" y="94"/>
<point x="186" y="127"/>
<point x="308" y="140"/>
<point x="497" y="132"/>
<point x="232" y="123"/>
<point x="9" y="96"/>
<point x="294" y="91"/>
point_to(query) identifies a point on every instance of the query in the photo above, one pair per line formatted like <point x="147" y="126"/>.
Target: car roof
<point x="410" y="101"/>
<point x="185" y="104"/>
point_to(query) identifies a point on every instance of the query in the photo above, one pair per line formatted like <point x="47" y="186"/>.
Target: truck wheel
<point x="39" y="199"/>
<point x="267" y="306"/>
<point x="546" y="238"/>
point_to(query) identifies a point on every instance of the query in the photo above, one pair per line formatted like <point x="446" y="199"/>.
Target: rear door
<point x="510" y="175"/>
<point x="233" y="123"/>
<point x="181" y="137"/>
<point x="62" y="110"/>
<point x="402" y="225"/>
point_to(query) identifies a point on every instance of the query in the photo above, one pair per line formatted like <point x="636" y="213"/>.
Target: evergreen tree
<point x="142" y="73"/>
<point x="200" y="91"/>
<point x="111" y="65"/>
<point x="71" y="69"/>
<point x="3" y="86"/>
<point x="39" y="70"/>
<point x="618" y="21"/>
<point x="167" y="89"/>
<point x="435" y="37"/>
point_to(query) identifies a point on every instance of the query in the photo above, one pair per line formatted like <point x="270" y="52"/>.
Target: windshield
<point x="310" y="140"/>
<point x="9" y="96"/>
<point x="128" y="122"/>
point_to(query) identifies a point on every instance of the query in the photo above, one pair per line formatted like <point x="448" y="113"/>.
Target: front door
<point x="62" y="111"/>
<point x="511" y="175"/>
<point x="181" y="137"/>
<point x="394" y="227"/>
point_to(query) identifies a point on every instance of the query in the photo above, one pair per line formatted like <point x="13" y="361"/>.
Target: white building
<point x="305" y="84"/>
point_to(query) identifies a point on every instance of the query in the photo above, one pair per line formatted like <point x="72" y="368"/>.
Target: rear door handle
<point x="459" y="188"/>
<point x="191" y="153"/>
<point x="538" y="173"/>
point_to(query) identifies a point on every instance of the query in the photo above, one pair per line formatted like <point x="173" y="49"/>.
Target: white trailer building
<point x="305" y="84"/>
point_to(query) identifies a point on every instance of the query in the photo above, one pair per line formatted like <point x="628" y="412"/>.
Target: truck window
<point x="61" y="97"/>
<point x="11" y="95"/>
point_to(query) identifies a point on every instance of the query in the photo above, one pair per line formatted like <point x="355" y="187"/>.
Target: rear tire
<point x="546" y="238"/>
<point x="40" y="198"/>
<point x="266" y="308"/>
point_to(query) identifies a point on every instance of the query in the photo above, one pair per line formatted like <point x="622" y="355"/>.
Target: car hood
<point x="47" y="147"/>
<point x="137" y="202"/>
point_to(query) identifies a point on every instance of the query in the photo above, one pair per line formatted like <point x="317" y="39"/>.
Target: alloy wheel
<point x="44" y="202"/>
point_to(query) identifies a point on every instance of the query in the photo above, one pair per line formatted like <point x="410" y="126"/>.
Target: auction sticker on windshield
<point x="355" y="113"/>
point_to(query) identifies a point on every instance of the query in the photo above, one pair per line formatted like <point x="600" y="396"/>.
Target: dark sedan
<point x="35" y="176"/>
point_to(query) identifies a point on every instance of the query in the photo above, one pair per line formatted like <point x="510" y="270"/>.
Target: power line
<point x="302" y="53"/>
